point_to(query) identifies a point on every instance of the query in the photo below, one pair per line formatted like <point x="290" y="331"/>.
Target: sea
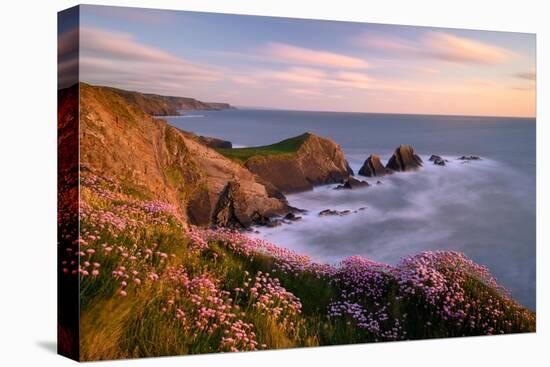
<point x="485" y="209"/>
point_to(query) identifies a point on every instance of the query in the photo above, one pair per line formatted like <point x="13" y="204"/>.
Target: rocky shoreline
<point x="205" y="178"/>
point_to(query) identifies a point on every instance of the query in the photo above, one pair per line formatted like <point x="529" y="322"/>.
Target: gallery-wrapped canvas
<point x="233" y="183"/>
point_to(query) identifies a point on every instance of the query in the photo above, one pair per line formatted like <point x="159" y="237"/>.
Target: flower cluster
<point x="267" y="296"/>
<point x="286" y="261"/>
<point x="204" y="310"/>
<point x="443" y="287"/>
<point x="127" y="246"/>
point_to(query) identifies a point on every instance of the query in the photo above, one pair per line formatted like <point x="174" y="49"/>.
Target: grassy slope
<point x="286" y="147"/>
<point x="118" y="229"/>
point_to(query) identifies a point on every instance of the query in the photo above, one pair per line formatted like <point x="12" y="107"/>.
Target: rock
<point x="228" y="211"/>
<point x="259" y="219"/>
<point x="437" y="160"/>
<point x="292" y="217"/>
<point x="469" y="158"/>
<point x="372" y="167"/>
<point x="352" y="183"/>
<point x="331" y="212"/>
<point x="215" y="142"/>
<point x="404" y="159"/>
<point x="274" y="223"/>
<point x="316" y="161"/>
<point x="379" y="182"/>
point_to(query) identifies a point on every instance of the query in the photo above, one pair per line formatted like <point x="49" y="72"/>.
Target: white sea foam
<point x="448" y="207"/>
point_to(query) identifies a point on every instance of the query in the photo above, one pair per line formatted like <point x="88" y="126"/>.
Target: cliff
<point x="157" y="105"/>
<point x="295" y="164"/>
<point x="152" y="160"/>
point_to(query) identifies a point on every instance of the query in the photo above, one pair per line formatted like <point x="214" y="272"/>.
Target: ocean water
<point x="485" y="209"/>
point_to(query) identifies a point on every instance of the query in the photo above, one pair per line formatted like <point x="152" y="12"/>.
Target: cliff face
<point x="317" y="161"/>
<point x="157" y="105"/>
<point x="155" y="161"/>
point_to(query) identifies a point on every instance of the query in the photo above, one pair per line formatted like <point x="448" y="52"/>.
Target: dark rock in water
<point x="404" y="159"/>
<point x="362" y="208"/>
<point x="352" y="183"/>
<point x="331" y="212"/>
<point x="469" y="158"/>
<point x="292" y="217"/>
<point x="379" y="182"/>
<point x="274" y="223"/>
<point x="438" y="160"/>
<point x="372" y="167"/>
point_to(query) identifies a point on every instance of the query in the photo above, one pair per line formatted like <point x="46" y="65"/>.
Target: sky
<point x="285" y="63"/>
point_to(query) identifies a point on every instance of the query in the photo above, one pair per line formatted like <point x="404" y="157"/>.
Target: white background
<point x="28" y="181"/>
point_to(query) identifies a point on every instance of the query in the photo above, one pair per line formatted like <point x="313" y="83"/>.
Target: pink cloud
<point x="300" y="76"/>
<point x="305" y="56"/>
<point x="117" y="59"/>
<point x="387" y="43"/>
<point x="439" y="45"/>
<point x="459" y="49"/>
<point x="352" y="79"/>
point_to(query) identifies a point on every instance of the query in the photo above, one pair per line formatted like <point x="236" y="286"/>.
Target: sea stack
<point x="372" y="167"/>
<point x="404" y="159"/>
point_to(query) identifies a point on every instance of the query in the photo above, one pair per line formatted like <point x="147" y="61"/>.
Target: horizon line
<point x="377" y="113"/>
<point x="306" y="110"/>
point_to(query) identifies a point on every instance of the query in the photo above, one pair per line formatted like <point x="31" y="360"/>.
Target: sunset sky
<point x="308" y="64"/>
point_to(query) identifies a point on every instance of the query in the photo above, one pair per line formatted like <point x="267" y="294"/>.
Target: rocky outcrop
<point x="158" y="105"/>
<point x="373" y="167"/>
<point x="229" y="211"/>
<point x="316" y="161"/>
<point x="155" y="161"/>
<point x="215" y="142"/>
<point x="469" y="158"/>
<point x="332" y="212"/>
<point x="437" y="160"/>
<point x="404" y="159"/>
<point x="292" y="217"/>
<point x="352" y="183"/>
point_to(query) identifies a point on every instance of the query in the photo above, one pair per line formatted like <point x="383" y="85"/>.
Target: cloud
<point x="117" y="59"/>
<point x="135" y="15"/>
<point x="449" y="47"/>
<point x="439" y="45"/>
<point x="299" y="75"/>
<point x="311" y="93"/>
<point x="315" y="77"/>
<point x="304" y="56"/>
<point x="528" y="75"/>
<point x="67" y="58"/>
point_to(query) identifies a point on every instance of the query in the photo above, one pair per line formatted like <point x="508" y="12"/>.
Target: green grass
<point x="287" y="147"/>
